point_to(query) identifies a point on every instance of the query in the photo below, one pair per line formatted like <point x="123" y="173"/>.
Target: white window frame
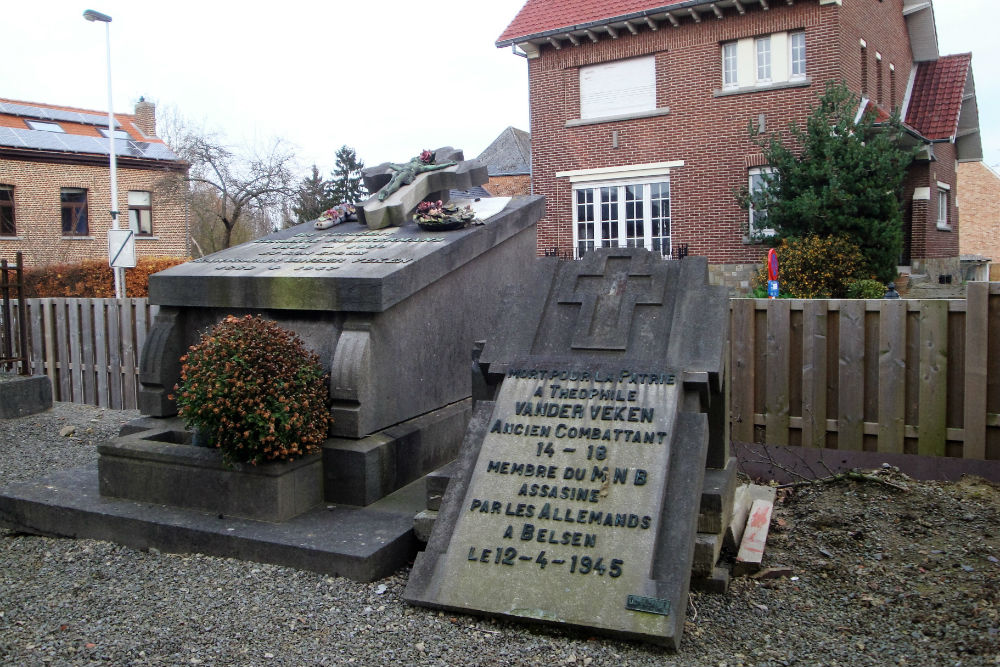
<point x="606" y="204"/>
<point x="45" y="126"/>
<point x="752" y="231"/>
<point x="943" y="206"/>
<point x="793" y="37"/>
<point x="618" y="88"/>
<point x="730" y="65"/>
<point x="140" y="212"/>
<point x="764" y="70"/>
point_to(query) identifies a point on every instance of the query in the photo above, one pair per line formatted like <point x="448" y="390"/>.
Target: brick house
<point x="508" y="163"/>
<point x="55" y="188"/>
<point x="979" y="201"/>
<point x="640" y="112"/>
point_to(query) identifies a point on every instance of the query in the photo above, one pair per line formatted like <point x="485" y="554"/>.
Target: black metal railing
<point x="12" y="287"/>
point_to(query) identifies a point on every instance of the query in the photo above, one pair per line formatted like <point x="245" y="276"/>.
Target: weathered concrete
<point x="22" y="395"/>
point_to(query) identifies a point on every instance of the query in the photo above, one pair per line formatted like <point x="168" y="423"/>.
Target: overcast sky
<point x="386" y="77"/>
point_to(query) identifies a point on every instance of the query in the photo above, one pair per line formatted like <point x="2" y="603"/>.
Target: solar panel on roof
<point x="43" y="113"/>
<point x="74" y="143"/>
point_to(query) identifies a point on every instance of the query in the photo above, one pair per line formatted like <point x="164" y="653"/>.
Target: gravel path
<point x="880" y="577"/>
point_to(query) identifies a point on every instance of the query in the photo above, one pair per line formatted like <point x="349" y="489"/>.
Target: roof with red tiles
<point x="936" y="100"/>
<point x="126" y="122"/>
<point x="542" y="16"/>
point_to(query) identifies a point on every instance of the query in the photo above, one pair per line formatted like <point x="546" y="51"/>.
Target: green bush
<point x="865" y="289"/>
<point x="816" y="267"/>
<point x="254" y="390"/>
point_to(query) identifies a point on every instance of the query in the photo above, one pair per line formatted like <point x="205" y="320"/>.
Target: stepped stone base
<point x="23" y="395"/>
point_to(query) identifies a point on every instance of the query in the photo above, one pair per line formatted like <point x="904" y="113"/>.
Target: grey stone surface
<point x="395" y="330"/>
<point x="360" y="544"/>
<point x="707" y="549"/>
<point x="160" y="466"/>
<point x="361" y="471"/>
<point x="437" y="484"/>
<point x="22" y="395"/>
<point x="423" y="524"/>
<point x="717" y="498"/>
<point x="716" y="583"/>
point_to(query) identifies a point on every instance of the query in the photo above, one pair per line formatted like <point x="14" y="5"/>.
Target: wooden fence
<point x="89" y="348"/>
<point x="887" y="376"/>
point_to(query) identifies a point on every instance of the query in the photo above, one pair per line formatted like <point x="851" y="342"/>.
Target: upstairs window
<point x="730" y="75"/>
<point x="140" y="212"/>
<point x="74" y="211"/>
<point x="42" y="125"/>
<point x="618" y="88"/>
<point x="765" y="61"/>
<point x="797" y="57"/>
<point x="7" y="227"/>
<point x="763" y="45"/>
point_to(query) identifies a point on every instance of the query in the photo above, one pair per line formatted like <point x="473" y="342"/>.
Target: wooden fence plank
<point x="60" y="307"/>
<point x="89" y="367"/>
<point x="932" y="391"/>
<point x="814" y="373"/>
<point x="35" y="314"/>
<point x="851" y="396"/>
<point x="129" y="375"/>
<point x="776" y="408"/>
<point x="75" y="352"/>
<point x="892" y="376"/>
<point x="976" y="352"/>
<point x="101" y="352"/>
<point x="741" y="389"/>
<point x="114" y="355"/>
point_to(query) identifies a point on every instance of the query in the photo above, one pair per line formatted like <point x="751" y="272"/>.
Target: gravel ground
<point x="880" y="576"/>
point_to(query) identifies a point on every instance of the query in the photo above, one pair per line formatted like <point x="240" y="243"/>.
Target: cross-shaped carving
<point x="607" y="300"/>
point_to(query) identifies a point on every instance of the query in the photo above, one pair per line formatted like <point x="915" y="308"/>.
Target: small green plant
<point x="816" y="267"/>
<point x="865" y="289"/>
<point x="255" y="391"/>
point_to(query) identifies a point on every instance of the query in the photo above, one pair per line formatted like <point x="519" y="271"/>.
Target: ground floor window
<point x="758" y="216"/>
<point x="944" y="199"/>
<point x="140" y="212"/>
<point x="7" y="227"/>
<point x="626" y="215"/>
<point x="74" y="211"/>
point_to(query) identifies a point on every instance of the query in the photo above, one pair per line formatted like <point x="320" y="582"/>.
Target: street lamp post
<point x="92" y="15"/>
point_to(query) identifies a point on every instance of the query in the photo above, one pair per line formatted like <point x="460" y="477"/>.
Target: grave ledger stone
<point x="391" y="312"/>
<point x="579" y="482"/>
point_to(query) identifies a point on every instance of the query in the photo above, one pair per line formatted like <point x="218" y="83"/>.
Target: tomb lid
<point x="345" y="268"/>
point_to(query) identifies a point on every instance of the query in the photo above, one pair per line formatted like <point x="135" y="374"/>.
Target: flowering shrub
<point x="816" y="267"/>
<point x="255" y="391"/>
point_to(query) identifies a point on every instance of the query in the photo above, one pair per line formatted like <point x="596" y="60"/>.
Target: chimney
<point x="145" y="117"/>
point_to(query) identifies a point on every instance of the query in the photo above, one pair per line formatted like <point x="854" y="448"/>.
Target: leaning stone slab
<point x="23" y="395"/>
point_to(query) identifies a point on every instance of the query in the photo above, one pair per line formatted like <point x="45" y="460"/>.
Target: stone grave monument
<point x="576" y="496"/>
<point x="392" y="311"/>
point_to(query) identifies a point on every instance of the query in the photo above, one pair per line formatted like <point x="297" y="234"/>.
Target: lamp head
<point x="92" y="15"/>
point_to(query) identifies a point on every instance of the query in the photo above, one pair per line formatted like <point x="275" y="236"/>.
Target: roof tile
<point x="539" y="16"/>
<point x="936" y="100"/>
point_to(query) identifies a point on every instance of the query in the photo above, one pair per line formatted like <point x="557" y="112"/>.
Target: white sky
<point x="387" y="77"/>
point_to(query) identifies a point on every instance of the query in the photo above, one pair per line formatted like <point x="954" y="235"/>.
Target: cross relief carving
<point x="608" y="298"/>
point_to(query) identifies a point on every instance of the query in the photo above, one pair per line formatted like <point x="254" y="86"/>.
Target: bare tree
<point x="251" y="188"/>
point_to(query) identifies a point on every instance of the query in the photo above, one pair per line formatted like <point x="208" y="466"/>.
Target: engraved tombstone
<point x="577" y="493"/>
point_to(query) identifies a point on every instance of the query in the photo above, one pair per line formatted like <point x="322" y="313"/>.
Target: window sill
<point x="145" y="237"/>
<point x="759" y="239"/>
<point x="780" y="85"/>
<point x="11" y="238"/>
<point x="943" y="228"/>
<point x="652" y="113"/>
<point x="77" y="238"/>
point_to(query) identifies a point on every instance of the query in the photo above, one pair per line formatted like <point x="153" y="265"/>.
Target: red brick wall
<point x="709" y="134"/>
<point x="881" y="24"/>
<point x="979" y="202"/>
<point x="38" y="213"/>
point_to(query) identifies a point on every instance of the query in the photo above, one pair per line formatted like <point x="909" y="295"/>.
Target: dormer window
<point x="119" y="134"/>
<point x="44" y="126"/>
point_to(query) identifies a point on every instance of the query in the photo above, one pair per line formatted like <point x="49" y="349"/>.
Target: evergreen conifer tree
<point x="312" y="197"/>
<point x="346" y="184"/>
<point x="838" y="176"/>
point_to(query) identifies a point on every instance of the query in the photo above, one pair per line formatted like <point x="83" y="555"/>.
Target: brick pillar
<point x="145" y="117"/>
